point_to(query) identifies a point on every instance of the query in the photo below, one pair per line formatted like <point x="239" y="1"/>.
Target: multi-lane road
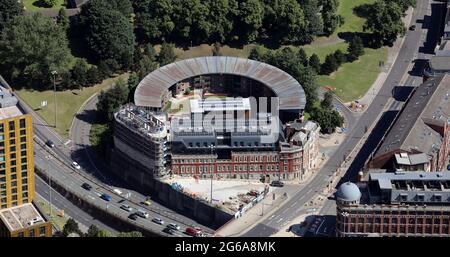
<point x="416" y="45"/>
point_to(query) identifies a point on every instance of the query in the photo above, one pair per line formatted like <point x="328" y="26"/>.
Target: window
<point x="31" y="234"/>
<point x="12" y="134"/>
<point x="12" y="149"/>
<point x="42" y="231"/>
<point x="12" y="142"/>
<point x="20" y="234"/>
<point x="1" y="128"/>
<point x="22" y="146"/>
<point x="11" y="125"/>
<point x="22" y="123"/>
<point x="23" y="139"/>
<point x="23" y="132"/>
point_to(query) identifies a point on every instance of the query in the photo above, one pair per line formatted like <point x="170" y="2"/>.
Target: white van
<point x="117" y="191"/>
<point x="142" y="214"/>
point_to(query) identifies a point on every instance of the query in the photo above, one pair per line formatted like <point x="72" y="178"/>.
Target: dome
<point x="348" y="192"/>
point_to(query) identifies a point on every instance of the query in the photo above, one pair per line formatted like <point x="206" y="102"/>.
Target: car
<point x="106" y="197"/>
<point x="174" y="226"/>
<point x="121" y="201"/>
<point x="50" y="143"/>
<point x="76" y="165"/>
<point x="86" y="186"/>
<point x="142" y="214"/>
<point x="133" y="216"/>
<point x="146" y="202"/>
<point x="158" y="221"/>
<point x="448" y="167"/>
<point x="412" y="27"/>
<point x="193" y="232"/>
<point x="277" y="183"/>
<point x="126" y="207"/>
<point x="117" y="191"/>
<point x="169" y="231"/>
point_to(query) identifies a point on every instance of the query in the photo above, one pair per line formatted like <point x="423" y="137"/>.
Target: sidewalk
<point x="393" y="52"/>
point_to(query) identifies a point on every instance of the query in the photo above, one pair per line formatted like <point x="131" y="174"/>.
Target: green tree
<point x="154" y="19"/>
<point x="93" y="231"/>
<point x="104" y="233"/>
<point x="71" y="226"/>
<point x="331" y="20"/>
<point x="80" y="74"/>
<point x="31" y="47"/>
<point x="93" y="75"/>
<point x="314" y="20"/>
<point x="340" y="57"/>
<point x="404" y="4"/>
<point x="130" y="234"/>
<point x="327" y="101"/>
<point x="145" y="66"/>
<point x="330" y="65"/>
<point x="110" y="100"/>
<point x="50" y="3"/>
<point x="258" y="53"/>
<point x="62" y="19"/>
<point x="249" y="20"/>
<point x="355" y="49"/>
<point x="328" y="119"/>
<point x="216" y="49"/>
<point x="167" y="54"/>
<point x="384" y="20"/>
<point x="8" y="10"/>
<point x="314" y="63"/>
<point x="108" y="33"/>
<point x="303" y="58"/>
<point x="133" y="82"/>
<point x="218" y="19"/>
<point x="123" y="6"/>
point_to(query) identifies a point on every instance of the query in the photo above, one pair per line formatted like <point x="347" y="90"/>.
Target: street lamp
<point x="54" y="73"/>
<point x="49" y="187"/>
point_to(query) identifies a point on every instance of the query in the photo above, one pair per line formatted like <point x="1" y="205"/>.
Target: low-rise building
<point x="24" y="221"/>
<point x="395" y="204"/>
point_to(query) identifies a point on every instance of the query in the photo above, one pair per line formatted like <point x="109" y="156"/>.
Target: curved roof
<point x="151" y="89"/>
<point x="348" y="192"/>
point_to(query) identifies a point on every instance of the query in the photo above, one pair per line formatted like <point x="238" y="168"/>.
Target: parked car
<point x="50" y="143"/>
<point x="106" y="197"/>
<point x="117" y="191"/>
<point x="448" y="167"/>
<point x="277" y="183"/>
<point x="126" y="207"/>
<point x="142" y="214"/>
<point x="133" y="216"/>
<point x="169" y="231"/>
<point x="146" y="202"/>
<point x="86" y="186"/>
<point x="158" y="221"/>
<point x="76" y="165"/>
<point x="174" y="226"/>
<point x="412" y="27"/>
<point x="193" y="232"/>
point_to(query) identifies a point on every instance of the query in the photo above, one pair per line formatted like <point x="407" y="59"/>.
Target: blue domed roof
<point x="348" y="192"/>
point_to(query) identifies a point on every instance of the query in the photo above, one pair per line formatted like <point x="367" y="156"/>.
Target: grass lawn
<point x="352" y="80"/>
<point x="206" y="50"/>
<point x="57" y="220"/>
<point x="352" y="22"/>
<point x="35" y="5"/>
<point x="323" y="51"/>
<point x="68" y="103"/>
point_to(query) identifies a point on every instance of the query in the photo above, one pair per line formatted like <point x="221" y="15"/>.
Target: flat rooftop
<point x="9" y="112"/>
<point x="21" y="217"/>
<point x="210" y="105"/>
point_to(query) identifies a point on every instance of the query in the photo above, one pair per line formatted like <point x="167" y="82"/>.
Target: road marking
<point x="279" y="220"/>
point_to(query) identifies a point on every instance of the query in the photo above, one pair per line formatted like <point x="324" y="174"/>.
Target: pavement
<point x="416" y="44"/>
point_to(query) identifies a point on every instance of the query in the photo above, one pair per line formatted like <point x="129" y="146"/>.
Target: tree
<point x="314" y="63"/>
<point x="79" y="74"/>
<point x="328" y="119"/>
<point x="330" y="65"/>
<point x="93" y="75"/>
<point x="130" y="234"/>
<point x="404" y="4"/>
<point x="327" y="101"/>
<point x="340" y="57"/>
<point x="154" y="19"/>
<point x="258" y="53"/>
<point x="216" y="49"/>
<point x="331" y="20"/>
<point x="145" y="66"/>
<point x="303" y="58"/>
<point x="8" y="10"/>
<point x="62" y="19"/>
<point x="31" y="47"/>
<point x="249" y="20"/>
<point x="133" y="82"/>
<point x="384" y="20"/>
<point x="93" y="231"/>
<point x="71" y="226"/>
<point x="108" y="33"/>
<point x="314" y="20"/>
<point x="167" y="54"/>
<point x="110" y="100"/>
<point x="123" y="6"/>
<point x="50" y="3"/>
<point x="355" y="49"/>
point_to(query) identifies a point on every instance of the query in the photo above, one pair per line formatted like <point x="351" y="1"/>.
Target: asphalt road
<point x="414" y="44"/>
<point x="69" y="208"/>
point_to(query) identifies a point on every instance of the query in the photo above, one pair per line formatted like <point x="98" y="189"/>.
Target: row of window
<point x="11" y="125"/>
<point x="12" y="135"/>
<point x="228" y="168"/>
<point x="42" y="231"/>
<point x="418" y="229"/>
<point x="396" y="220"/>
